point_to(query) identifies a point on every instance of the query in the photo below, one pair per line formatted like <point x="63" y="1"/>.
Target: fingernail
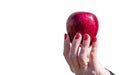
<point x="85" y="37"/>
<point x="77" y="36"/>
<point x="95" y="39"/>
<point x="65" y="36"/>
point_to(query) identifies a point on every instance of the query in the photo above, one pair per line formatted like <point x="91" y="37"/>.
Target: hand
<point x="82" y="58"/>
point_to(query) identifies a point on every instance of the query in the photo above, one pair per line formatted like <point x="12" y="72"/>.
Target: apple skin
<point x="82" y="22"/>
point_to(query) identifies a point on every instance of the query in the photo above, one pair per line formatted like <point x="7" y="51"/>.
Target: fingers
<point x="79" y="60"/>
<point x="93" y="54"/>
<point x="67" y="50"/>
<point x="74" y="50"/>
<point x="66" y="45"/>
<point x="83" y="55"/>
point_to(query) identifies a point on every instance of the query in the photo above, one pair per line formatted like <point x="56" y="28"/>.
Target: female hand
<point x="82" y="59"/>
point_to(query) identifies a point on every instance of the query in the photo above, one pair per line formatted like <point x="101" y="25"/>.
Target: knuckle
<point x="82" y="59"/>
<point x="64" y="53"/>
<point x="95" y="48"/>
<point x="93" y="73"/>
<point x="84" y="48"/>
<point x="72" y="56"/>
<point x="93" y="55"/>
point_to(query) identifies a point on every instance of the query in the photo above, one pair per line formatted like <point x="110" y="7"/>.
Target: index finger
<point x="67" y="51"/>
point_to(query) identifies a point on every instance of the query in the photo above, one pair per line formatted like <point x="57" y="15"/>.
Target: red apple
<point x="82" y="22"/>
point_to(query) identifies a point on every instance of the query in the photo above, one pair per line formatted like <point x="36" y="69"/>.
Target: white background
<point x="32" y="34"/>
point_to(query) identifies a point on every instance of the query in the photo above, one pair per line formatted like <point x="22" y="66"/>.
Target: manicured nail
<point x="77" y="36"/>
<point x="85" y="37"/>
<point x="95" y="39"/>
<point x="65" y="36"/>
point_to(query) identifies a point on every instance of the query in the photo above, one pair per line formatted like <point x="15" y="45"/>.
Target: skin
<point x="82" y="59"/>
